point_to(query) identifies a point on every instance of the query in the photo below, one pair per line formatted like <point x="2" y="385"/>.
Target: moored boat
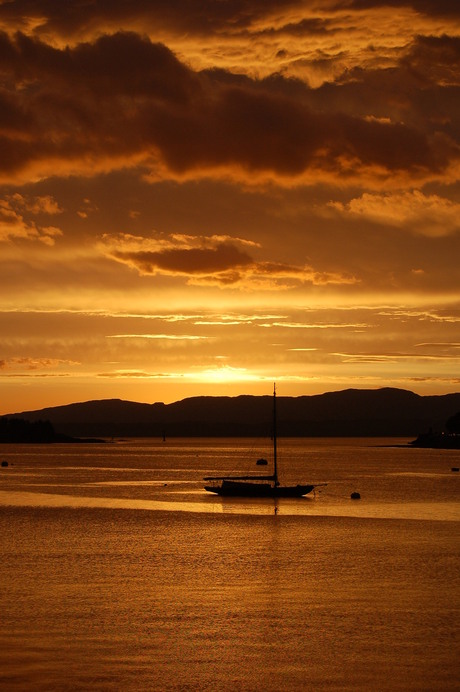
<point x="257" y="485"/>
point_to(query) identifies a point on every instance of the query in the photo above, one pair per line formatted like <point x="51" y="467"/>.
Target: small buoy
<point x="4" y="463"/>
<point x="455" y="468"/>
<point x="355" y="496"/>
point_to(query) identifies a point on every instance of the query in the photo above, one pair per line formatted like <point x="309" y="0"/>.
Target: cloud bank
<point x="125" y="101"/>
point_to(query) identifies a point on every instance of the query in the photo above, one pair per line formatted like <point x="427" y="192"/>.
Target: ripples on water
<point x="119" y="572"/>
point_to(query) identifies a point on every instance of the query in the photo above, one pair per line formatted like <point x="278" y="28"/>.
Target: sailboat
<point x="256" y="485"/>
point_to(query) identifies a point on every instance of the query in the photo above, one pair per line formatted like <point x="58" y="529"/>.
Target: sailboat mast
<point x="275" y="467"/>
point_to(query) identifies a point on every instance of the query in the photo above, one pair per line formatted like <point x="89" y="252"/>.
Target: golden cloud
<point x="212" y="260"/>
<point x="14" y="225"/>
<point x="123" y="374"/>
<point x="293" y="37"/>
<point x="34" y="363"/>
<point x="429" y="215"/>
<point x="394" y="357"/>
<point x="160" y="337"/>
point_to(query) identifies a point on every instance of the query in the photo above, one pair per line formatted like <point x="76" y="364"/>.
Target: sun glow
<point x="224" y="375"/>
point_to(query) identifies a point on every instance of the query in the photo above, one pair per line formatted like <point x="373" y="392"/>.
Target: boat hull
<point x="230" y="488"/>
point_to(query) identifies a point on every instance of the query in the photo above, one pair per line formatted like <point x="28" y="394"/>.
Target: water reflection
<point x="444" y="511"/>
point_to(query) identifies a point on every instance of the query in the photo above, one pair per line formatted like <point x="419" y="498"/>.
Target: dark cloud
<point x="187" y="261"/>
<point x="434" y="8"/>
<point x="123" y="100"/>
<point x="422" y="91"/>
<point x="216" y="262"/>
<point x="434" y="60"/>
<point x="123" y="63"/>
<point x="79" y="19"/>
<point x="70" y="104"/>
<point x="75" y="18"/>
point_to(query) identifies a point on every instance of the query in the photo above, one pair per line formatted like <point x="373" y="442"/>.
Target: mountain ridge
<point x="350" y="412"/>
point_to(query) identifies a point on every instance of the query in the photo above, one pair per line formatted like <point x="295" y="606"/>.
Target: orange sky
<point x="202" y="198"/>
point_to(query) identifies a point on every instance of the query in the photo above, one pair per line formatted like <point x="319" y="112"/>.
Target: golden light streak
<point x="166" y="337"/>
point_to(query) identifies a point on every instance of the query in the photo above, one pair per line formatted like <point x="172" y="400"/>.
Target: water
<point x="119" y="572"/>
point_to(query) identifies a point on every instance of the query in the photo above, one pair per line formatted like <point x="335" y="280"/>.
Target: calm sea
<point x="119" y="572"/>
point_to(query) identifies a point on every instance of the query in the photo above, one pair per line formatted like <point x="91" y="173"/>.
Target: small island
<point x="19" y="430"/>
<point x="432" y="440"/>
<point x="441" y="440"/>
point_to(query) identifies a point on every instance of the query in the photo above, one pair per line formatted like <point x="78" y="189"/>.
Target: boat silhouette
<point x="257" y="485"/>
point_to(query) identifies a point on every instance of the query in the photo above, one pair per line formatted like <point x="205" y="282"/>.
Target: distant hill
<point x="352" y="412"/>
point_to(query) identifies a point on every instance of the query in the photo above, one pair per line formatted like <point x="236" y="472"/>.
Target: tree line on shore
<point x="39" y="431"/>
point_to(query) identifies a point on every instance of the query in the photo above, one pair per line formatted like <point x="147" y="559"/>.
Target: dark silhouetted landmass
<point x="352" y="412"/>
<point x="432" y="440"/>
<point x="15" y="430"/>
<point x="453" y="424"/>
